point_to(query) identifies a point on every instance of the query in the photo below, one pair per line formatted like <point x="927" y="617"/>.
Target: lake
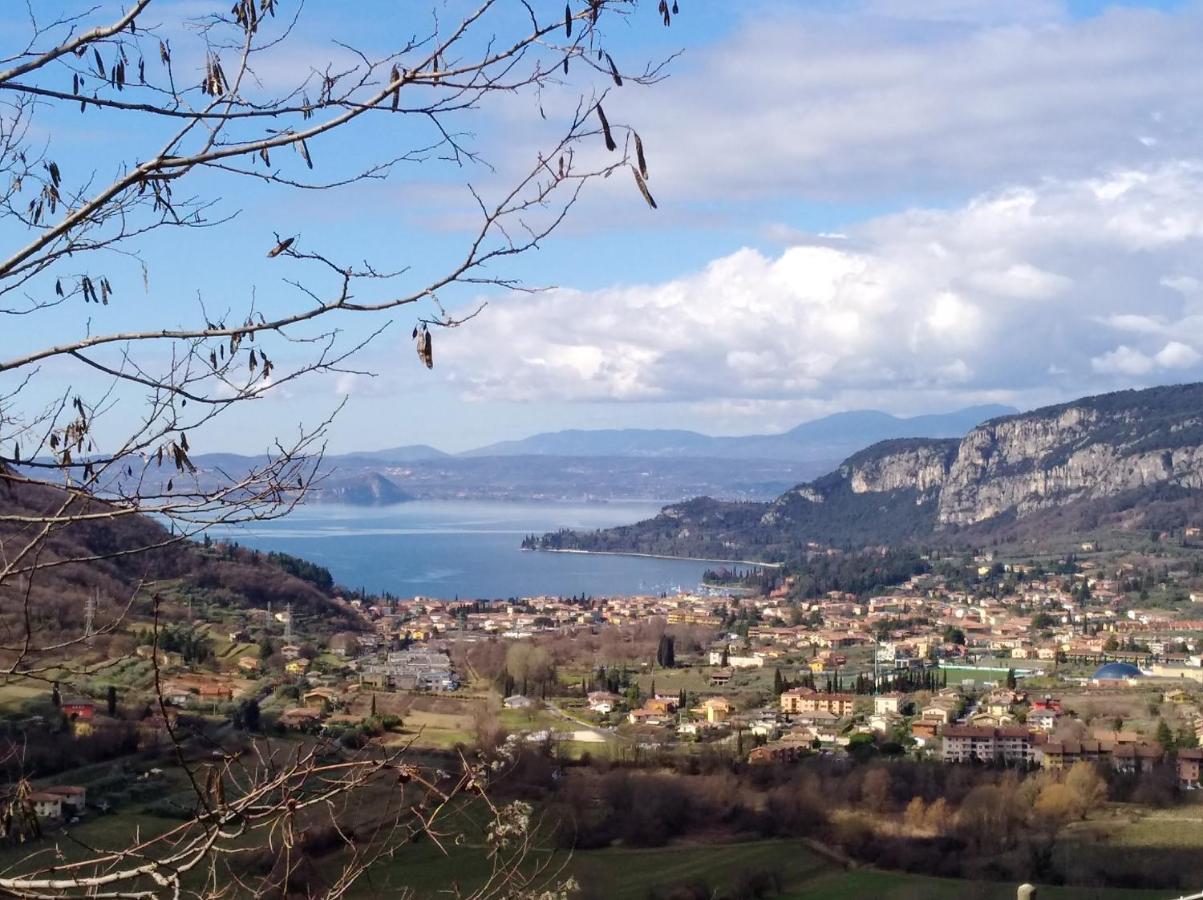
<point x="467" y="549"/>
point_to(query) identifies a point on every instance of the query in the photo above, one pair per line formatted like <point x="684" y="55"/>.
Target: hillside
<point x="1129" y="459"/>
<point x="116" y="574"/>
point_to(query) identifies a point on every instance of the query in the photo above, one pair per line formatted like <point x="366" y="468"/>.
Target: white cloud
<point x="1177" y="355"/>
<point x="1061" y="282"/>
<point x="861" y="98"/>
<point x="1123" y="360"/>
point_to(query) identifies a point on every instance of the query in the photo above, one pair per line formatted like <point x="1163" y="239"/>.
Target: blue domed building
<point x="1116" y="671"/>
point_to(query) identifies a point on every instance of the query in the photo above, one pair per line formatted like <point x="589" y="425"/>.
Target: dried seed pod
<point x="567" y="21"/>
<point x="280" y="248"/>
<point x="614" y="71"/>
<point x="642" y="185"/>
<point x="639" y="155"/>
<point x="605" y="124"/>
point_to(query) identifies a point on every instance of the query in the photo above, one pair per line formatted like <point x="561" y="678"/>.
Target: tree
<point x="1087" y="785"/>
<point x="954" y="635"/>
<point x="197" y="111"/>
<point x="666" y="652"/>
<point x="1164" y="736"/>
<point x="916" y="814"/>
<point x="1057" y="804"/>
<point x="111" y="700"/>
<point x="1011" y="682"/>
<point x="875" y="789"/>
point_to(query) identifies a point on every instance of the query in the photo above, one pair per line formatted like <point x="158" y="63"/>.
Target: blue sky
<point x="894" y="204"/>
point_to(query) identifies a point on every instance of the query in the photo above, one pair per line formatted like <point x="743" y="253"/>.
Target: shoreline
<point x="733" y="562"/>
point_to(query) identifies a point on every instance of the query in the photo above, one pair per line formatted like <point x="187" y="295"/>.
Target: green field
<point x="620" y="874"/>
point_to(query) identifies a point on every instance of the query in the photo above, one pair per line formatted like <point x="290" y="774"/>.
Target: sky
<point x="905" y="205"/>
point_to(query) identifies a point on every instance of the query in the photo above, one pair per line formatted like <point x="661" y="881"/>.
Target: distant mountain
<point x="1126" y="456"/>
<point x="650" y="442"/>
<point x="359" y="489"/>
<point x="830" y="438"/>
<point x="408" y="453"/>
<point x="621" y="464"/>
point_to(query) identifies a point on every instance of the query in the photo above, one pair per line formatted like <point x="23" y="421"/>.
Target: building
<point x="803" y="700"/>
<point x="888" y="704"/>
<point x="1135" y="759"/>
<point x="1063" y="754"/>
<point x="73" y="796"/>
<point x="1189" y="764"/>
<point x="963" y="743"/>
<point x="45" y="804"/>
<point x="716" y="709"/>
<point x="789" y="749"/>
<point x="603" y="702"/>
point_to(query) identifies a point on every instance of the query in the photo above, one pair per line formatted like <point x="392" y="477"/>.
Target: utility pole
<point x="288" y="625"/>
<point x="90" y="605"/>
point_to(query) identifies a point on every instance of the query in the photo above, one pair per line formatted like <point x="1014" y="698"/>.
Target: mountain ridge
<point x="1105" y="449"/>
<point x="618" y="464"/>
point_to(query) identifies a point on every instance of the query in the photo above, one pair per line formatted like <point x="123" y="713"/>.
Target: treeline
<point x="194" y="645"/>
<point x="968" y="821"/>
<point x="859" y="573"/>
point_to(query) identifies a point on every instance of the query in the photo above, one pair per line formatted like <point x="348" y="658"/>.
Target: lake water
<point x="467" y="549"/>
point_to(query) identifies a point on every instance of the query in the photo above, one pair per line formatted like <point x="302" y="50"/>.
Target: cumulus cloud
<point x="1074" y="282"/>
<point x="949" y="95"/>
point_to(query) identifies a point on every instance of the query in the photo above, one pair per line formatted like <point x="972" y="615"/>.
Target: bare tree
<point x="201" y="115"/>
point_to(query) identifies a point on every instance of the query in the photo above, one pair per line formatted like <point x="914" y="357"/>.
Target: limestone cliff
<point x="1133" y="446"/>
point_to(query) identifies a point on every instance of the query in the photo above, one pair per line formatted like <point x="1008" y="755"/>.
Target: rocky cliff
<point x="1129" y="444"/>
<point x="1089" y="449"/>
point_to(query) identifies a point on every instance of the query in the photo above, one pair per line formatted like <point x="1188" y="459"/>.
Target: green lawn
<point x="621" y="874"/>
<point x="837" y="885"/>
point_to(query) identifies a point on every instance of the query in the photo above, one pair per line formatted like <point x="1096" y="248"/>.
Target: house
<point x="1044" y="719"/>
<point x="250" y="664"/>
<point x="888" y="704"/>
<point x="296" y="666"/>
<point x="963" y="743"/>
<point x="937" y="713"/>
<point x="789" y="749"/>
<point x="45" y="804"/>
<point x="73" y="796"/>
<point x="320" y="698"/>
<point x="662" y="705"/>
<point x="1189" y="764"/>
<point x="290" y="651"/>
<point x="300" y="717"/>
<point x="1133" y="759"/>
<point x="172" y="659"/>
<point x="765" y="728"/>
<point x="924" y="731"/>
<point x="1063" y="754"/>
<point x="518" y="701"/>
<point x="78" y="709"/>
<point x="720" y="677"/>
<point x="646" y="717"/>
<point x="716" y="709"/>
<point x="884" y="723"/>
<point x="803" y="700"/>
<point x="603" y="702"/>
<point x="991" y="720"/>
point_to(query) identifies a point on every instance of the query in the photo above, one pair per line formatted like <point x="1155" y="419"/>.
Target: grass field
<point x="620" y="874"/>
<point x="1180" y="826"/>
